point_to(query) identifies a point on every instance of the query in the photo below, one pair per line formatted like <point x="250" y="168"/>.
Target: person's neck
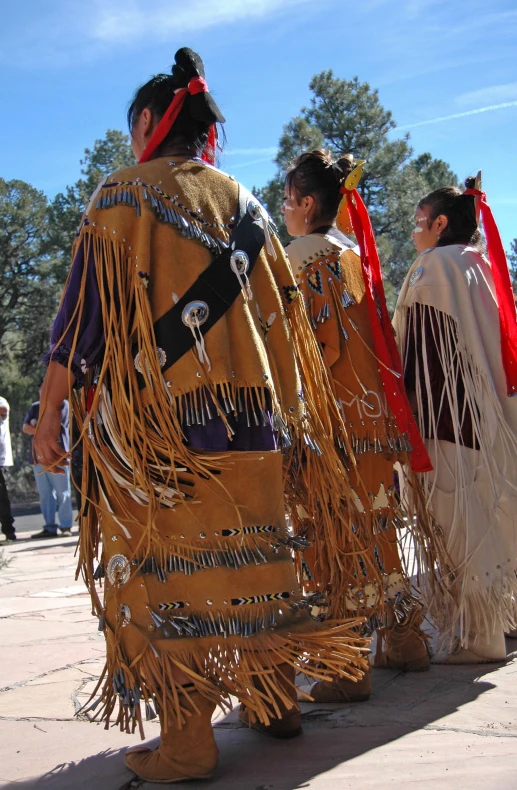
<point x="322" y="222"/>
<point x="177" y="150"/>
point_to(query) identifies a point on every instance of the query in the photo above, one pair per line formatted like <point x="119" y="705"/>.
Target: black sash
<point x="218" y="286"/>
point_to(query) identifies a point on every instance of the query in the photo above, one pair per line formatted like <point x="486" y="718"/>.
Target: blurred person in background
<point x="6" y="460"/>
<point x="53" y="489"/>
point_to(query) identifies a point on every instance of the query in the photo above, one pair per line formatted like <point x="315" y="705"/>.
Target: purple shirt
<point x="90" y="339"/>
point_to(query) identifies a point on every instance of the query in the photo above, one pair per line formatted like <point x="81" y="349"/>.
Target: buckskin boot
<point x="183" y="754"/>
<point x="407" y="649"/>
<point x="342" y="690"/>
<point x="406" y="645"/>
<point x="289" y="723"/>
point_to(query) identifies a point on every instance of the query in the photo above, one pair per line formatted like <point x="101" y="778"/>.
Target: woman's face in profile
<point x="294" y="214"/>
<point x="424" y="236"/>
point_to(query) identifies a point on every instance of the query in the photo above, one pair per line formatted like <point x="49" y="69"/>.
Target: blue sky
<point x="447" y="70"/>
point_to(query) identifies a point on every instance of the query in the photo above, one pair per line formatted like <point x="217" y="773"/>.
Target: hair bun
<point x="201" y="106"/>
<point x="345" y="165"/>
<point x="187" y="65"/>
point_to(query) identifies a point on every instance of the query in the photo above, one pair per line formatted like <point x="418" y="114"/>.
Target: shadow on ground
<point x="26" y="544"/>
<point x="333" y="734"/>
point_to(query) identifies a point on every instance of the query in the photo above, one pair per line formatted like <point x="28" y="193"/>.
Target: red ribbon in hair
<point x="503" y="292"/>
<point x="196" y="85"/>
<point x="383" y="336"/>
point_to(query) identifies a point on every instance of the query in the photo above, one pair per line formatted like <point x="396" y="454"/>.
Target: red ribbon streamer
<point x="208" y="154"/>
<point x="196" y="85"/>
<point x="383" y="336"/>
<point x="503" y="291"/>
<point x="90" y="397"/>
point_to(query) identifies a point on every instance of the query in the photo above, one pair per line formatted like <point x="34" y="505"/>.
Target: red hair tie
<point x="196" y="85"/>
<point x="503" y="291"/>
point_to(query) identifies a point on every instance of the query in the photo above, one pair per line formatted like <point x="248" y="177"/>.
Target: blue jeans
<point x="54" y="494"/>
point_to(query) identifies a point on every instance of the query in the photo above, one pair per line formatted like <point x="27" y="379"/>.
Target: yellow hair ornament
<point x="354" y="177"/>
<point x="343" y="221"/>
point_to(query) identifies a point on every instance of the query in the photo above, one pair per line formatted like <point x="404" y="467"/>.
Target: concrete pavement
<point x="447" y="729"/>
<point x="28" y="518"/>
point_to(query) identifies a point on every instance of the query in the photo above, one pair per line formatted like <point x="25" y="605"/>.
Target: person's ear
<point x="147" y="121"/>
<point x="440" y="223"/>
<point x="308" y="205"/>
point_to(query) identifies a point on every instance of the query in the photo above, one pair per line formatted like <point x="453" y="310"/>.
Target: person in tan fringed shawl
<point x="194" y="374"/>
<point x="456" y="327"/>
<point x="334" y="282"/>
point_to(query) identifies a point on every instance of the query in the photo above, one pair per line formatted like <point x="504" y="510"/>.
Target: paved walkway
<point x="447" y="729"/>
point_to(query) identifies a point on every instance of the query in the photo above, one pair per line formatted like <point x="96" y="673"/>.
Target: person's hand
<point x="47" y="450"/>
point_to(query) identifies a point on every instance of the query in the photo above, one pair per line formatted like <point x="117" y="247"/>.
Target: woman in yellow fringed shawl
<point x="337" y="282"/>
<point x="194" y="374"/>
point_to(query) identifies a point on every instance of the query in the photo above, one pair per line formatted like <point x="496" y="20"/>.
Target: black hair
<point x="198" y="113"/>
<point x="315" y="173"/>
<point x="460" y="210"/>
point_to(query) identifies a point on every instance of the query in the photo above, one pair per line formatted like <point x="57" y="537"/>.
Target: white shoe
<point x="479" y="650"/>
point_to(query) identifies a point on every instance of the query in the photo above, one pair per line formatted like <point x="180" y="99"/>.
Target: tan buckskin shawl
<point x="331" y="280"/>
<point x="204" y="583"/>
<point x="472" y="494"/>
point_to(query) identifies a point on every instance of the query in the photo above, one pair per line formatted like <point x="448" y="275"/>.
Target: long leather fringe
<point x="148" y="456"/>
<point x="455" y="605"/>
<point x="220" y="670"/>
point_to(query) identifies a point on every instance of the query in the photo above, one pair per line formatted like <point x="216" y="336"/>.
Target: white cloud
<point x="262" y="155"/>
<point x="455" y="115"/>
<point x="416" y="8"/>
<point x="258" y="161"/>
<point x="438" y="37"/>
<point x="493" y="94"/>
<point x="129" y="20"/>
<point x="251" y="151"/>
<point x="434" y="65"/>
<point x="82" y="31"/>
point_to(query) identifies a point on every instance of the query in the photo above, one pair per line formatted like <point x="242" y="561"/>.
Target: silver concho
<point x="416" y="275"/>
<point x="118" y="570"/>
<point x="125" y="613"/>
<point x="195" y="313"/>
<point x="162" y="359"/>
<point x="239" y="262"/>
<point x="255" y="210"/>
<point x="138" y="363"/>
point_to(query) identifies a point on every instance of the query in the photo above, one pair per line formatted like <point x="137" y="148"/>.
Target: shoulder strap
<point x="217" y="287"/>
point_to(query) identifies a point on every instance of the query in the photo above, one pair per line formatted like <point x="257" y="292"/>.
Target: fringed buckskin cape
<point x="188" y="533"/>
<point x="329" y="274"/>
<point x="447" y="325"/>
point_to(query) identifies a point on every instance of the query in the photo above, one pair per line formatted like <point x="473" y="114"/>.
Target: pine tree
<point x="108" y="154"/>
<point x="346" y="116"/>
<point x="28" y="300"/>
